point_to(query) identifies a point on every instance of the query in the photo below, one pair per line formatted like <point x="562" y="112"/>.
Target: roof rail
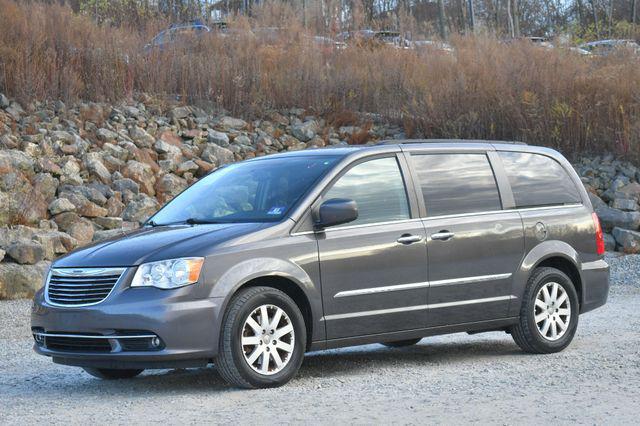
<point x="419" y="141"/>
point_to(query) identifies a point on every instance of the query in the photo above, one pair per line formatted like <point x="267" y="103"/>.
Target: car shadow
<point x="329" y="363"/>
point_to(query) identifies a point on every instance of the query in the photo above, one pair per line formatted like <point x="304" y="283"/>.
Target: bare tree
<point x="442" y="20"/>
<point x="634" y="7"/>
<point x="510" y="19"/>
<point x="515" y="12"/>
<point x="472" y="16"/>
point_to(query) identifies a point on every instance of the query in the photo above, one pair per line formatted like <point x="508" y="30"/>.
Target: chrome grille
<point x="80" y="287"/>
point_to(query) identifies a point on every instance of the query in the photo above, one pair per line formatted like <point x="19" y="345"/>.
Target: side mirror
<point x="336" y="211"/>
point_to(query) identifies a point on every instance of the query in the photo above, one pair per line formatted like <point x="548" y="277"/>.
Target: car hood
<point x="158" y="243"/>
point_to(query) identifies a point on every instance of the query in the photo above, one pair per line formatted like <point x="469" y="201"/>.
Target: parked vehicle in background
<point x="374" y="38"/>
<point x="325" y="44"/>
<point x="431" y="46"/>
<point x="178" y="35"/>
<point x="266" y="259"/>
<point x="608" y="47"/>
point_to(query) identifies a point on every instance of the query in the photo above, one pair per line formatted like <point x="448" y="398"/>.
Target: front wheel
<point x="549" y="313"/>
<point x="263" y="339"/>
<point x="112" y="373"/>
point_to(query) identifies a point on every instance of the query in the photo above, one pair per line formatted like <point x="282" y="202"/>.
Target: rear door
<point x="374" y="270"/>
<point x="474" y="245"/>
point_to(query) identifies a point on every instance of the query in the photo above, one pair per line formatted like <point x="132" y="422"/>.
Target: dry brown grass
<point x="486" y="90"/>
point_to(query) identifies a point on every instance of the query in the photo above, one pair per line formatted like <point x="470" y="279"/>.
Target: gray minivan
<point x="266" y="259"/>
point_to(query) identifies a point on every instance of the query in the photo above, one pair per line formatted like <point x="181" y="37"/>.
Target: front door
<point x="474" y="245"/>
<point x="373" y="270"/>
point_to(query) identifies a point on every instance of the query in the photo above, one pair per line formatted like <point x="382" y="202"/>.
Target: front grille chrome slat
<point x="81" y="286"/>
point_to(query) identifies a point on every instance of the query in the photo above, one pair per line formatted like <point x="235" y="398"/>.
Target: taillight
<point x="599" y="236"/>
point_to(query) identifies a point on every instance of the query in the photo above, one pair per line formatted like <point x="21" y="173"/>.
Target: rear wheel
<point x="112" y="373"/>
<point x="263" y="339"/>
<point x="549" y="312"/>
<point x="401" y="343"/>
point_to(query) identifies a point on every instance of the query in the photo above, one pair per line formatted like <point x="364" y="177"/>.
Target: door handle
<point x="408" y="239"/>
<point x="442" y="235"/>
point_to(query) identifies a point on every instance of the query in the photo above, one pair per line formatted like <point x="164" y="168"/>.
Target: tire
<point x="401" y="343"/>
<point x="112" y="373"/>
<point x="527" y="333"/>
<point x="243" y="365"/>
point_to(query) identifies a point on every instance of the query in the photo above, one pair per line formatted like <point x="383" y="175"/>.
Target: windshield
<point x="254" y="191"/>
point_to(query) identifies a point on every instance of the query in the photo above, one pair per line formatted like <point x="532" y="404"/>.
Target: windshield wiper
<point x="194" y="221"/>
<point x="189" y="221"/>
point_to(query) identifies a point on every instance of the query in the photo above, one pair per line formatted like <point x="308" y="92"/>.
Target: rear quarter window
<point x="537" y="180"/>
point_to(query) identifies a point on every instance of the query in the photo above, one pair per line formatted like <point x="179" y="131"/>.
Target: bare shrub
<point x="486" y="89"/>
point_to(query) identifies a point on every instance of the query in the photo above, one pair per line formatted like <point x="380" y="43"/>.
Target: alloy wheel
<point x="268" y="339"/>
<point x="552" y="311"/>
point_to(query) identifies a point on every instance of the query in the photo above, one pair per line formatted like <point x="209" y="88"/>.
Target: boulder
<point x="217" y="155"/>
<point x="142" y="174"/>
<point x="46" y="186"/>
<point x="140" y="208"/>
<point x="107" y="234"/>
<point x="141" y="138"/>
<point x="26" y="252"/>
<point x="611" y="218"/>
<point x="188" y="166"/>
<point x="106" y="135"/>
<point x="109" y="222"/>
<point x="55" y="243"/>
<point x="12" y="160"/>
<point x="168" y="151"/>
<point x="180" y="112"/>
<point x="126" y="184"/>
<point x="219" y="138"/>
<point x="115" y="207"/>
<point x="305" y="131"/>
<point x="624" y="204"/>
<point x="628" y="241"/>
<point x="79" y="228"/>
<point x="609" y="242"/>
<point x="61" y="205"/>
<point x="228" y="123"/>
<point x="96" y="168"/>
<point x="21" y="281"/>
<point x="89" y="192"/>
<point x="169" y="186"/>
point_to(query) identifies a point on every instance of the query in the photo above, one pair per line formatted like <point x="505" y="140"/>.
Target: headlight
<point x="168" y="274"/>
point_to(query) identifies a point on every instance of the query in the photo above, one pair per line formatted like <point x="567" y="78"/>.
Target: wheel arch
<point x="553" y="253"/>
<point x="290" y="279"/>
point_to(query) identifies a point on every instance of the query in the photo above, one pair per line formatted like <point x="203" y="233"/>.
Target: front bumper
<point x="595" y="285"/>
<point x="186" y="325"/>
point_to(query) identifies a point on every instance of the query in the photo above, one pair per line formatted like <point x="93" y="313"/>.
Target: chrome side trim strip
<point x="597" y="264"/>
<point x="386" y="289"/>
<point x="417" y="308"/>
<point x="413" y="286"/>
<point x="469" y="280"/>
<point x="470" y="302"/>
<point x="376" y="312"/>
<point x="82" y="336"/>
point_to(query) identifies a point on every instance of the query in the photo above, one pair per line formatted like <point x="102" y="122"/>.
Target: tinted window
<point x="457" y="183"/>
<point x="252" y="191"/>
<point x="538" y="180"/>
<point x="378" y="189"/>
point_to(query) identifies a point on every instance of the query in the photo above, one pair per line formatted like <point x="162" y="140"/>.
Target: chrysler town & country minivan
<point x="266" y="259"/>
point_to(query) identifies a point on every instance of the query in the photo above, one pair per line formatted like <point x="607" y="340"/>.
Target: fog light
<point x="39" y="338"/>
<point x="155" y="342"/>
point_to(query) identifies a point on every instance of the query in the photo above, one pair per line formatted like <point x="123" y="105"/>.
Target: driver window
<point x="378" y="189"/>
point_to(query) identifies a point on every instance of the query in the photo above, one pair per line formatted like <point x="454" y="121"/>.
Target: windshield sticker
<point x="275" y="211"/>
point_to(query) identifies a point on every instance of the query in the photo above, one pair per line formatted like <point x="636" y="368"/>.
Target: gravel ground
<point x="458" y="378"/>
